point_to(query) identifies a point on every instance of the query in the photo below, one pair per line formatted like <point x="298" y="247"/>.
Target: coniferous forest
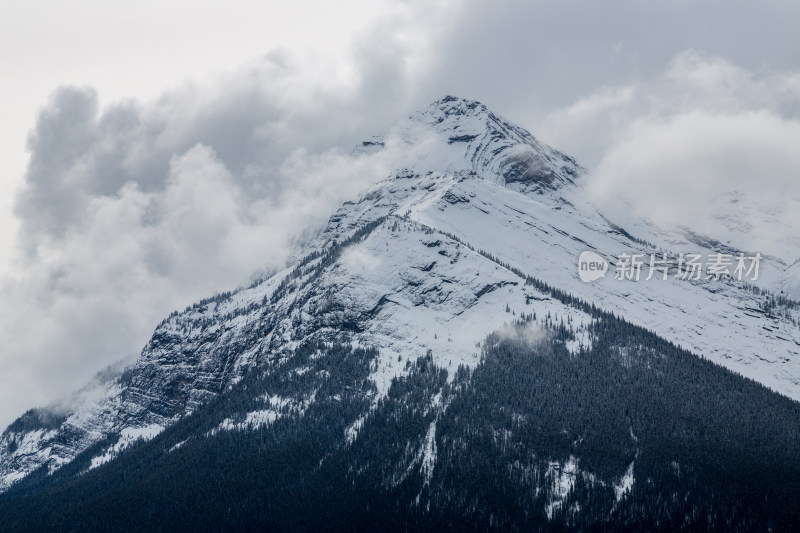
<point x="630" y="433"/>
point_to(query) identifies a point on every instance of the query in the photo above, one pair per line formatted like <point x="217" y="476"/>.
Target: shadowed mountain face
<point x="432" y="359"/>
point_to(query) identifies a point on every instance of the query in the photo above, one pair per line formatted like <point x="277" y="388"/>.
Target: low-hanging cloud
<point x="706" y="145"/>
<point x="88" y="289"/>
<point x="131" y="210"/>
<point x="527" y="334"/>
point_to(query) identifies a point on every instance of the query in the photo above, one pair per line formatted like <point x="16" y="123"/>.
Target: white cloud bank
<point x="132" y="210"/>
<point x="707" y="144"/>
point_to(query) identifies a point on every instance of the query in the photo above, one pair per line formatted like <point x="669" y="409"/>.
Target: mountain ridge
<point x="430" y="260"/>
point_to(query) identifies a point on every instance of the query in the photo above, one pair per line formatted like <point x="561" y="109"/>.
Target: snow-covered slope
<point x="420" y="263"/>
<point x="788" y="282"/>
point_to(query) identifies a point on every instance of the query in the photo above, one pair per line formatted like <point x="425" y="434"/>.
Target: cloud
<point x="706" y="144"/>
<point x="524" y="59"/>
<point x="527" y="333"/>
<point x="134" y="209"/>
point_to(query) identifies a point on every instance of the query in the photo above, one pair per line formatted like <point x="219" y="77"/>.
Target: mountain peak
<point x="497" y="149"/>
<point x="456" y="106"/>
<point x="449" y="110"/>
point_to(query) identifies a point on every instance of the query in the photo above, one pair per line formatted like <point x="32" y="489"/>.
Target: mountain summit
<point x="434" y="334"/>
<point x="498" y="150"/>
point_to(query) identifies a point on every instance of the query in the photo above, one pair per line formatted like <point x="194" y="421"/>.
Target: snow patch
<point x="429" y="453"/>
<point x="625" y="484"/>
<point x="279" y="407"/>
<point x="561" y="482"/>
<point x="126" y="439"/>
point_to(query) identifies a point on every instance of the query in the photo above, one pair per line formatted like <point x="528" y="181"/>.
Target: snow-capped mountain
<point x="471" y="235"/>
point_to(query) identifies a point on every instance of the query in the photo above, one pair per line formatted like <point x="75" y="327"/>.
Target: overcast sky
<point x="156" y="152"/>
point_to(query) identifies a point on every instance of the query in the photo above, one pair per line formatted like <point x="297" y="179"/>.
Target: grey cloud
<point x="64" y="131"/>
<point x="526" y="58"/>
<point x="138" y="208"/>
<point x="690" y="81"/>
<point x="706" y="144"/>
